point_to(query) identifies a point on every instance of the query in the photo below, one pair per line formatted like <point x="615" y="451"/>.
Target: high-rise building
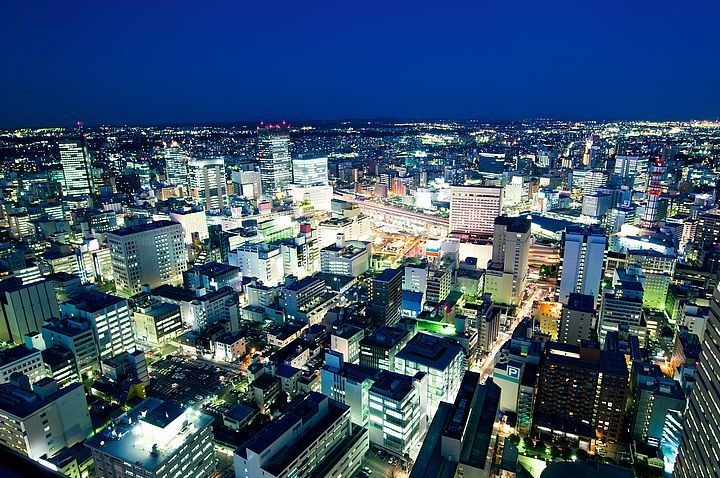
<point x="156" y="439"/>
<point x="397" y="411"/>
<point x="109" y="316"/>
<point x="274" y="158"/>
<point x="313" y="437"/>
<point x="310" y="171"/>
<point x="38" y="420"/>
<point x="657" y="169"/>
<point x="658" y="402"/>
<point x="77" y="168"/>
<point x="577" y="319"/>
<point x="507" y="271"/>
<point x="207" y="182"/>
<point x="583" y="391"/>
<point x="594" y="180"/>
<point x="698" y="456"/>
<point x="176" y="165"/>
<point x="349" y="384"/>
<point x="473" y="209"/>
<point x="385" y="296"/>
<point x="25" y="307"/>
<point x="77" y="336"/>
<point x="583" y="251"/>
<point x="633" y="171"/>
<point x="443" y="361"/>
<point x="621" y="310"/>
<point x="378" y="350"/>
<point x="260" y="261"/>
<point x="152" y="254"/>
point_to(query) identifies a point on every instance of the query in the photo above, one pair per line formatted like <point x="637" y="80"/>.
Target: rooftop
<point x="430" y="351"/>
<point x="151" y="226"/>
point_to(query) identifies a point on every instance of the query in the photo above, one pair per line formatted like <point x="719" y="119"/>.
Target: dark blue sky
<point x="156" y="61"/>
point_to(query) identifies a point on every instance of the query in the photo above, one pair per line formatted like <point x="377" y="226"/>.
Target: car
<point x="367" y="470"/>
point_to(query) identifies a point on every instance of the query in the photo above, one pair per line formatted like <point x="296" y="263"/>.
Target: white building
<point x="506" y="274"/>
<point x="442" y="361"/>
<point x="109" y="316"/>
<point x="633" y="170"/>
<point x="41" y="419"/>
<point x="260" y="261"/>
<point x="208" y="184"/>
<point x="21" y="359"/>
<point x="355" y="228"/>
<point x="314" y="437"/>
<point x="194" y="224"/>
<point x="346" y="258"/>
<point x="310" y="171"/>
<point x="156" y="439"/>
<point x="473" y="209"/>
<point x="176" y="165"/>
<point x="25" y="307"/>
<point x="583" y="251"/>
<point x="152" y="254"/>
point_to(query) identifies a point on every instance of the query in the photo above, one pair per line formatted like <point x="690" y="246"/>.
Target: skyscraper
<point x="208" y="184"/>
<point x="152" y="254"/>
<point x="473" y="209"/>
<point x="507" y="272"/>
<point x="633" y="171"/>
<point x="274" y="158"/>
<point x="75" y="159"/>
<point x="176" y="165"/>
<point x="385" y="294"/>
<point x="310" y="171"/>
<point x="583" y="251"/>
<point x="698" y="456"/>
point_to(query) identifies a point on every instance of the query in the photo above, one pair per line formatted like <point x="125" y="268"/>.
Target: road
<point x="485" y="368"/>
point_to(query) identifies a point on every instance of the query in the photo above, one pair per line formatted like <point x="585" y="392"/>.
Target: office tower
<point x="21" y="359"/>
<point x="38" y="420"/>
<point x="208" y="184"/>
<point x="109" y="316"/>
<point x="515" y="191"/>
<point x="345" y="340"/>
<point x="156" y="322"/>
<point x="415" y="278"/>
<point x="577" y="319"/>
<point x="77" y="336"/>
<point x="378" y="350"/>
<point x="156" y="439"/>
<point x="442" y="360"/>
<point x="596" y="205"/>
<point x="594" y="180"/>
<point x="506" y="274"/>
<point x="349" y="384"/>
<point x="176" y="165"/>
<point x="473" y="209"/>
<point x="698" y="456"/>
<point x="25" y="307"/>
<point x="193" y="222"/>
<point x="346" y="258"/>
<point x="658" y="400"/>
<point x="657" y="169"/>
<point x="385" y="296"/>
<point x="301" y="254"/>
<point x="582" y="391"/>
<point x="274" y="158"/>
<point x="198" y="310"/>
<point x="583" y="252"/>
<point x="313" y="437"/>
<point x="152" y="254"/>
<point x="310" y="171"/>
<point x="397" y="411"/>
<point x="633" y="171"/>
<point x="260" y="261"/>
<point x="305" y="300"/>
<point x="461" y="440"/>
<point x="212" y="276"/>
<point x="621" y="310"/>
<point x="620" y="215"/>
<point x="355" y="228"/>
<point x="77" y="168"/>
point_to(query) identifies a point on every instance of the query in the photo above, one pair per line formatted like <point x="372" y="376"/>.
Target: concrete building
<point x="355" y="227"/>
<point x="207" y="182"/>
<point x="348" y="384"/>
<point x="633" y="171"/>
<point x="213" y="276"/>
<point x="398" y="416"/>
<point x="156" y="322"/>
<point x="346" y="258"/>
<point x="346" y="340"/>
<point x="583" y="253"/>
<point x="698" y="456"/>
<point x="385" y="297"/>
<point x="506" y="274"/>
<point x="21" y="359"/>
<point x="378" y="350"/>
<point x="199" y="308"/>
<point x="473" y="209"/>
<point x="658" y="402"/>
<point x="156" y="439"/>
<point x="77" y="167"/>
<point x="152" y="254"/>
<point x="77" y="336"/>
<point x="577" y="321"/>
<point x="442" y="361"/>
<point x="461" y="440"/>
<point x="109" y="317"/>
<point x="193" y="222"/>
<point x="621" y="310"/>
<point x="25" y="307"/>
<point x="176" y="169"/>
<point x="41" y="419"/>
<point x="260" y="261"/>
<point x="313" y="437"/>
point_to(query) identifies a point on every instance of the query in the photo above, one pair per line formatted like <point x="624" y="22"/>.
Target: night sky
<point x="155" y="61"/>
